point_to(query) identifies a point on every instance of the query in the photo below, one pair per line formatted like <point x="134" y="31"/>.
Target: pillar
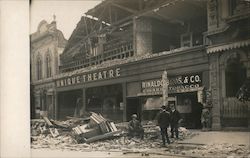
<point x="83" y="108"/>
<point x="56" y="105"/>
<point x="124" y="98"/>
<point x="142" y="36"/>
<point x="248" y="102"/>
<point x="215" y="90"/>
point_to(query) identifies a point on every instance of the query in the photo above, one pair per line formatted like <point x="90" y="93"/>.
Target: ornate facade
<point x="47" y="43"/>
<point x="115" y="57"/>
<point x="228" y="50"/>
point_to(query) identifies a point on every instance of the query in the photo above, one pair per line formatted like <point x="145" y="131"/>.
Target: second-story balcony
<point x="114" y="49"/>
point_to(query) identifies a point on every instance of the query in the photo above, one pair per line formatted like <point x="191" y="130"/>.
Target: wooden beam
<point x="124" y="8"/>
<point x="103" y="136"/>
<point x="171" y="20"/>
<point x="110" y="14"/>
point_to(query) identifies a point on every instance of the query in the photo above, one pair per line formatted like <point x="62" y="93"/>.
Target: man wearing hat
<point x="135" y="128"/>
<point x="163" y="122"/>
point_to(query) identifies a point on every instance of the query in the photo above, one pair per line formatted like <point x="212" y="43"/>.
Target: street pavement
<point x="219" y="137"/>
<point x="202" y="138"/>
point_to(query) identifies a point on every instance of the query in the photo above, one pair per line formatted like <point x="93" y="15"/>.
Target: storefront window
<point x="235" y="76"/>
<point x="150" y="107"/>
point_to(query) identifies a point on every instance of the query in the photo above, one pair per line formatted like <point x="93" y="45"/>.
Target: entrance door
<point x="133" y="107"/>
<point x="50" y="107"/>
<point x="190" y="109"/>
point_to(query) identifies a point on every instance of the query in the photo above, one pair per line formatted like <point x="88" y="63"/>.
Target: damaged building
<point x="45" y="46"/>
<point x="114" y="61"/>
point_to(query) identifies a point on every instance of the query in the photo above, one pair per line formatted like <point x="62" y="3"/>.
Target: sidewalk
<point x="219" y="137"/>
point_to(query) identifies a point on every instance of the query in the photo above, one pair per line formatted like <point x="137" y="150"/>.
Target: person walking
<point x="135" y="128"/>
<point x="163" y="122"/>
<point x="174" y="121"/>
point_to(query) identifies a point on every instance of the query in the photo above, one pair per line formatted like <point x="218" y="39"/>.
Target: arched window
<point x="48" y="66"/>
<point x="39" y="68"/>
<point x="235" y="76"/>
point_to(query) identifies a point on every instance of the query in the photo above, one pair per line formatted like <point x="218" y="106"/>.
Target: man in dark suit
<point x="174" y="121"/>
<point x="163" y="121"/>
<point x="135" y="128"/>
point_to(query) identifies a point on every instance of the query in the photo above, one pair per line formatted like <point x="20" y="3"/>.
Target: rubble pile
<point x="82" y="130"/>
<point x="94" y="133"/>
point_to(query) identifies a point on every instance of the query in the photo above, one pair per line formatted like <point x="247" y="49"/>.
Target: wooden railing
<point x="233" y="108"/>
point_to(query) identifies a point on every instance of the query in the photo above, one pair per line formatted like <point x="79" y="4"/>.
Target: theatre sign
<point x="177" y="84"/>
<point x="87" y="77"/>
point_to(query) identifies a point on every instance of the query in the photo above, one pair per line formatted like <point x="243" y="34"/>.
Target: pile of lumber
<point x="85" y="130"/>
<point x="98" y="128"/>
<point x="105" y="125"/>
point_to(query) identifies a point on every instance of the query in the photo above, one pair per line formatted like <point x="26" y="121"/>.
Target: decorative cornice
<point x="238" y="17"/>
<point x="227" y="46"/>
<point x="217" y="30"/>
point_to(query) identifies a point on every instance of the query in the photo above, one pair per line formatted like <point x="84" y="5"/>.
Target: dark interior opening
<point x="133" y="107"/>
<point x="67" y="103"/>
<point x="106" y="100"/>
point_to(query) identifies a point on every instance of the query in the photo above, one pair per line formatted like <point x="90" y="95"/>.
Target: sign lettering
<point x="106" y="74"/>
<point x="177" y="84"/>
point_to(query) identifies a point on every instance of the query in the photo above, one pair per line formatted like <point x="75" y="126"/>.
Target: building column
<point x="56" y="105"/>
<point x="124" y="98"/>
<point x="53" y="105"/>
<point x="37" y="105"/>
<point x="248" y="103"/>
<point x="83" y="108"/>
<point x="215" y="90"/>
<point x="142" y="30"/>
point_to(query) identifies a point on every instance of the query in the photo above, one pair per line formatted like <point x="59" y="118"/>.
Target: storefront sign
<point x="106" y="74"/>
<point x="179" y="84"/>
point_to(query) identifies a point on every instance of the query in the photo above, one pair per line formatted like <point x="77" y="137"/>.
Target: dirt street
<point x="194" y="144"/>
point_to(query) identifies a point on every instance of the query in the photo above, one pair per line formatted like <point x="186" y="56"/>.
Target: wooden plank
<point x="113" y="126"/>
<point x="78" y="118"/>
<point x="47" y="121"/>
<point x="103" y="127"/>
<point x="54" y="132"/>
<point x="104" y="136"/>
<point x="58" y="123"/>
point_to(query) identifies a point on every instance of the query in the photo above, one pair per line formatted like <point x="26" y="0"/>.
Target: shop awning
<point x="224" y="47"/>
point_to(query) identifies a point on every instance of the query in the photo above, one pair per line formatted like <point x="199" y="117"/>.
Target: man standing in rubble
<point x="174" y="121"/>
<point x="135" y="128"/>
<point x="163" y="122"/>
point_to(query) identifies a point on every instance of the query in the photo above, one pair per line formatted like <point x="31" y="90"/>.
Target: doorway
<point x="133" y="107"/>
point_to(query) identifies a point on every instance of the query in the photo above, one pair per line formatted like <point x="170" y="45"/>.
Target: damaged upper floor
<point x="118" y="29"/>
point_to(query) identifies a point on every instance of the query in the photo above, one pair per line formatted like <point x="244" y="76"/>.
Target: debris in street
<point x="47" y="121"/>
<point x="54" y="132"/>
<point x="103" y="136"/>
<point x="88" y="135"/>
